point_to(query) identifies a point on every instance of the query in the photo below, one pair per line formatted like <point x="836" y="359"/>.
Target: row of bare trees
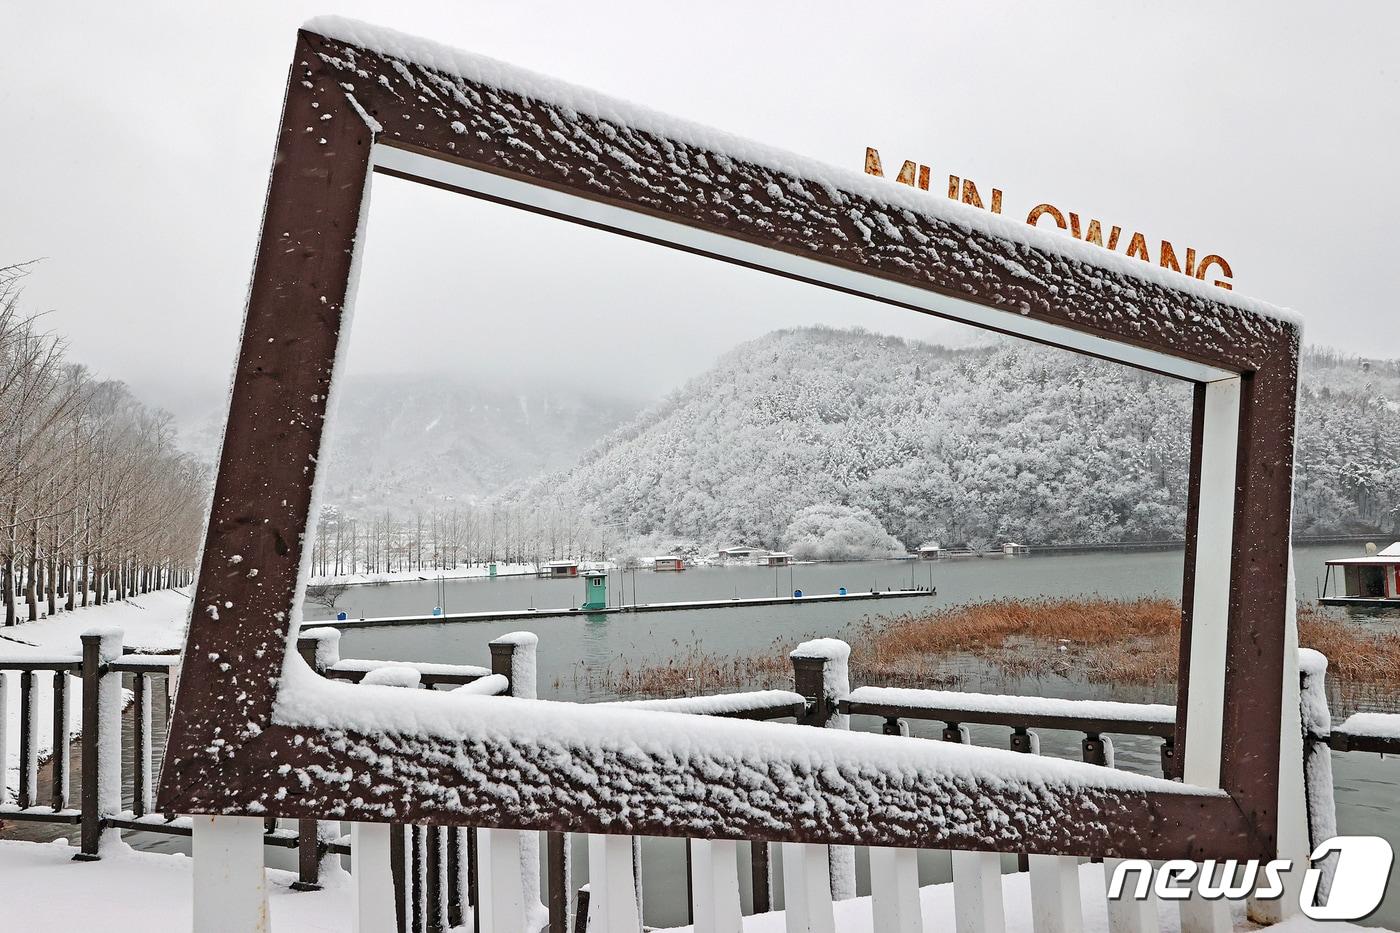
<point x="96" y="502"/>
<point x="440" y="540"/>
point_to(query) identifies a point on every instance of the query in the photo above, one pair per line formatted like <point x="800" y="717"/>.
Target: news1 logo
<point x="1361" y="870"/>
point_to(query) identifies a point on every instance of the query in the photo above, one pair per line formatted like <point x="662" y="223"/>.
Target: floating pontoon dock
<point x="495" y="615"/>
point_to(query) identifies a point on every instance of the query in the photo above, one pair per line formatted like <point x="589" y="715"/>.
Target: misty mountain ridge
<point x="1008" y="442"/>
<point x="409" y="442"/>
<point x="405" y="442"/>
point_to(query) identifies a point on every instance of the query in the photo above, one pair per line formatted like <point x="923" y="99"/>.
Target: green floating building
<point x="595" y="590"/>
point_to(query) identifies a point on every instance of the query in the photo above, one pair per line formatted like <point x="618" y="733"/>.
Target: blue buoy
<point x="842" y="591"/>
<point x="796" y="594"/>
<point x="437" y="610"/>
<point x="341" y="617"/>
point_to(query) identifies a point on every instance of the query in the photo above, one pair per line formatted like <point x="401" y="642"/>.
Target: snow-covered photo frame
<point x="257" y="732"/>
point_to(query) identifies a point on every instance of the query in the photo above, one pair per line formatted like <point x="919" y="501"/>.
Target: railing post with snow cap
<point x="1318" y="787"/>
<point x="1307" y="806"/>
<point x="102" y="711"/>
<point x="821" y="674"/>
<point x="320" y="649"/>
<point x="513" y="656"/>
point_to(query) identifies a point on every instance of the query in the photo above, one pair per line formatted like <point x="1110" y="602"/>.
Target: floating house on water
<point x="1012" y="549"/>
<point x="777" y="559"/>
<point x="668" y="562"/>
<point x="595" y="590"/>
<point x="930" y="551"/>
<point x="559" y="568"/>
<point x="1372" y="580"/>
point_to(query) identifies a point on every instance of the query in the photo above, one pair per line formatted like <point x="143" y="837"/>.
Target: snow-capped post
<point x="1307" y="806"/>
<point x="513" y="656"/>
<point x="102" y="735"/>
<point x="320" y="648"/>
<point x="821" y="673"/>
<point x="1317" y="758"/>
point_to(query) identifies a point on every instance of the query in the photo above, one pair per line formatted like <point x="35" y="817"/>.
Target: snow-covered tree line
<point x="385" y="542"/>
<point x="97" y="502"/>
<point x="850" y="444"/>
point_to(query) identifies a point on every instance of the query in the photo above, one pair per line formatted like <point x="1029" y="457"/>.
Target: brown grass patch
<point x="1102" y="642"/>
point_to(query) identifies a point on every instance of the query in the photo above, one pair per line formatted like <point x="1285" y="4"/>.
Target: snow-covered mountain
<point x="1013" y="442"/>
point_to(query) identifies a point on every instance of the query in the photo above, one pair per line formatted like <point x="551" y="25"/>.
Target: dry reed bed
<point x="1102" y="642"/>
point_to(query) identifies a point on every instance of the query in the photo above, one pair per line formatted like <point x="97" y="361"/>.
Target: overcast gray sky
<point x="138" y="138"/>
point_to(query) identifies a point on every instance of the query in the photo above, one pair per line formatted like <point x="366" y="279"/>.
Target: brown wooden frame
<point x="432" y="116"/>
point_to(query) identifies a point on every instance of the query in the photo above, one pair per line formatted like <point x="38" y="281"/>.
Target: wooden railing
<point x="100" y="672"/>
<point x="427" y="879"/>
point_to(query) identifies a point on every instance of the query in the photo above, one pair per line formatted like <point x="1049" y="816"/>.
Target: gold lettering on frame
<point x="1214" y="260"/>
<point x="872" y="162"/>
<point x="1040" y="210"/>
<point x="965" y="190"/>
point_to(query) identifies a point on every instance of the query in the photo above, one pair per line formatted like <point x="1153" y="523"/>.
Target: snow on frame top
<point x="490" y="72"/>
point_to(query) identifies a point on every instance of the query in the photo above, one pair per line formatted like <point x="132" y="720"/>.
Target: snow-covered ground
<point x="45" y="891"/>
<point x="154" y="622"/>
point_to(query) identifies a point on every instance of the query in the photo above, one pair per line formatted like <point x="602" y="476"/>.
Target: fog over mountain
<point x="870" y="434"/>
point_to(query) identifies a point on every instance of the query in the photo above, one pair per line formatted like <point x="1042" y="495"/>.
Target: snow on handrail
<point x="356" y="668"/>
<point x="1047" y="712"/>
<point x="1367" y="732"/>
<point x="661" y="771"/>
<point x="783" y="702"/>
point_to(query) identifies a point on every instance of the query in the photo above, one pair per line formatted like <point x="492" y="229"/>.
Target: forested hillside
<point x="1014" y="442"/>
